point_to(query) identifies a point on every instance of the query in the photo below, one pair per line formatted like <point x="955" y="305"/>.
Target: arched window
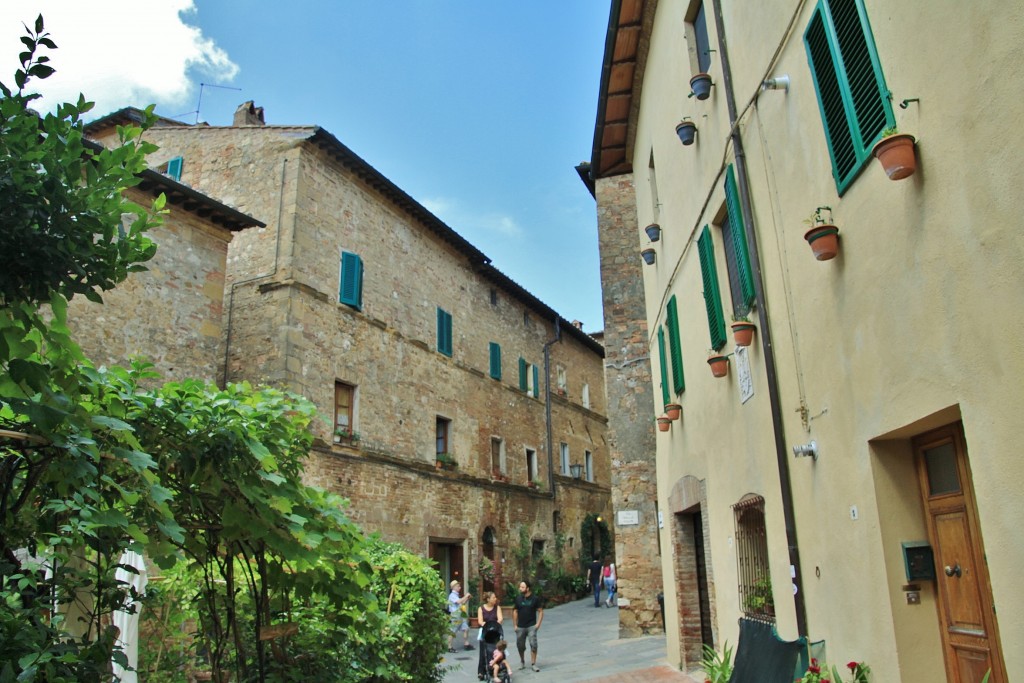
<point x="755" y="581"/>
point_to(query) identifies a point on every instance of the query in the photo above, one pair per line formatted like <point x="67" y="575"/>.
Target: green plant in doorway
<point x="717" y="665"/>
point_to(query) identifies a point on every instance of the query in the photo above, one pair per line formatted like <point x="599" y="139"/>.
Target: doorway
<point x="449" y="559"/>
<point x="967" y="621"/>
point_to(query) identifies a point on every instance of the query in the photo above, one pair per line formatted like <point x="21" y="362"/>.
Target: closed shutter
<point x="523" y="382"/>
<point x="674" y="347"/>
<point x="664" y="369"/>
<point x="350" y="291"/>
<point x="444" y="332"/>
<point x="852" y="94"/>
<point x="738" y="239"/>
<point x="536" y="382"/>
<point x="495" y="354"/>
<point x="712" y="296"/>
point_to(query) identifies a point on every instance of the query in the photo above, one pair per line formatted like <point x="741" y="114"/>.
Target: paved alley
<point x="578" y="642"/>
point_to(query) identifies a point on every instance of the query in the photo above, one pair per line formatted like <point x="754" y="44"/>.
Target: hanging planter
<point x="719" y="364"/>
<point x="687" y="131"/>
<point x="664" y="423"/>
<point x="823" y="235"/>
<point x="653" y="232"/>
<point x="649" y="255"/>
<point x="673" y="410"/>
<point x="743" y="332"/>
<point x="895" y="152"/>
<point x="700" y="86"/>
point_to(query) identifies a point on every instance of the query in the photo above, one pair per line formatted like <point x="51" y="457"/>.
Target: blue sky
<point x="480" y="110"/>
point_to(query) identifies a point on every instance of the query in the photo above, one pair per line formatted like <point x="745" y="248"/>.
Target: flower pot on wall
<point x="824" y="241"/>
<point x="700" y="86"/>
<point x="653" y="232"/>
<point x="896" y="154"/>
<point x="664" y="423"/>
<point x="648" y="255"/>
<point x="673" y="410"/>
<point x="687" y="131"/>
<point x="719" y="365"/>
<point x="743" y="332"/>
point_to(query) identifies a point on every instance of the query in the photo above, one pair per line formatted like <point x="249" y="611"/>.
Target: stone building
<point x="453" y="403"/>
<point x="852" y="478"/>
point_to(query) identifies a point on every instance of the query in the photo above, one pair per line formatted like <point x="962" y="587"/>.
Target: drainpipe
<point x="547" y="404"/>
<point x="764" y="330"/>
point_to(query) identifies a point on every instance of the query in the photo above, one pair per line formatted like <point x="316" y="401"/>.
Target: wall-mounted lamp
<point x="776" y="83"/>
<point x="576" y="469"/>
<point x="807" y="450"/>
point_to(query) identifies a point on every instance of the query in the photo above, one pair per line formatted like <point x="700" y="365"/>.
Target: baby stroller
<point x="492" y="633"/>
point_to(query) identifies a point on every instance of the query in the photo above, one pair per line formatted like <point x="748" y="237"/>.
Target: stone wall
<point x="631" y="408"/>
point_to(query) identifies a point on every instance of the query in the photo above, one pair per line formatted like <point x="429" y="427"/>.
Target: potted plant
<point x="473" y="610"/>
<point x="717" y="666"/>
<point x="664" y="423"/>
<point x="536" y="483"/>
<point x="820" y="672"/>
<point x="446" y="461"/>
<point x="743" y="330"/>
<point x="653" y="232"/>
<point x="700" y="86"/>
<point x="823" y="237"/>
<point x="895" y="151"/>
<point x="498" y="475"/>
<point x="648" y="255"/>
<point x="719" y="363"/>
<point x="673" y="410"/>
<point x="686" y="130"/>
<point x="345" y="436"/>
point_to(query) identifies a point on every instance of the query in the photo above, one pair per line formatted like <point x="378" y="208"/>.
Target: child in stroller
<point x="490" y="634"/>
<point x="501" y="672"/>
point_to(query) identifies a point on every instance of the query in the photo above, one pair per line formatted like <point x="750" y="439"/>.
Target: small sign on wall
<point x="746" y="380"/>
<point x="628" y="517"/>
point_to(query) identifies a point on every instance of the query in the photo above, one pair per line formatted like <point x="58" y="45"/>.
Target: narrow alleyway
<point x="578" y="642"/>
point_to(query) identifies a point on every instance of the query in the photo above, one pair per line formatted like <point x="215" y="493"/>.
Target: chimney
<point x="248" y="114"/>
<point x="577" y="324"/>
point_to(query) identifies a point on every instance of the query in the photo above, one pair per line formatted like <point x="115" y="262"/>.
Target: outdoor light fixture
<point x="777" y="83"/>
<point x="599" y="518"/>
<point x="807" y="450"/>
<point x="576" y="469"/>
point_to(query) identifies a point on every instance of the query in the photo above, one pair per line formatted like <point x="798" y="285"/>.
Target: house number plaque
<point x="629" y="517"/>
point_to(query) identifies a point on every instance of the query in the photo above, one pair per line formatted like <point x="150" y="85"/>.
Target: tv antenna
<point x="199" y="104"/>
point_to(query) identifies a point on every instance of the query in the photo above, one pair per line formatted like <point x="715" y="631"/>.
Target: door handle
<point x="954" y="570"/>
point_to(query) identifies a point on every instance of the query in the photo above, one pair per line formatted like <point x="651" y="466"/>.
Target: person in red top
<point x="611" y="580"/>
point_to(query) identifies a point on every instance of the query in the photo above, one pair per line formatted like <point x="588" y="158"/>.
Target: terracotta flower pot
<point x="743" y="332"/>
<point x="896" y="154"/>
<point x="700" y="86"/>
<point x="824" y="241"/>
<point x="653" y="232"/>
<point x="719" y="365"/>
<point x="686" y="130"/>
<point x="664" y="423"/>
<point x="673" y="410"/>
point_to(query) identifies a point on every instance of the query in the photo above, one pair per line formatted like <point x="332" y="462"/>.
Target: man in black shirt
<point x="594" y="578"/>
<point x="527" y="616"/>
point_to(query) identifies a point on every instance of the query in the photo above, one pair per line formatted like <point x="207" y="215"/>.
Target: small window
<point x="529" y="378"/>
<point x="741" y="278"/>
<point x="755" y="582"/>
<point x="350" y="291"/>
<point x="675" y="347"/>
<point x="174" y="167"/>
<point x="497" y="455"/>
<point x="495" y="360"/>
<point x="531" y="464"/>
<point x="852" y="95"/>
<point x="697" y="38"/>
<point x="344" y="406"/>
<point x="585" y="396"/>
<point x="563" y="450"/>
<point x="712" y="297"/>
<point x="588" y="463"/>
<point x="443" y="430"/>
<point x="526" y="319"/>
<point x="444" y="332"/>
<point x="494" y="296"/>
<point x="561" y="382"/>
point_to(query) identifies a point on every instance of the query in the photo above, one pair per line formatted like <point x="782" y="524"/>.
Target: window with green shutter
<point x="712" y="296"/>
<point x="174" y="168"/>
<point x="523" y="381"/>
<point x="852" y="95"/>
<point x="444" y="332"/>
<point x="675" y="349"/>
<point x="495" y="354"/>
<point x="664" y="367"/>
<point x="350" y="291"/>
<point x="741" y="278"/>
<point x="536" y="382"/>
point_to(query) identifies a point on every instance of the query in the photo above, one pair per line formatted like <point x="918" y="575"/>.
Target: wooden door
<point x="970" y="636"/>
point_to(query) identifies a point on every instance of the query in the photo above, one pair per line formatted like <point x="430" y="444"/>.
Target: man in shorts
<point x="527" y="616"/>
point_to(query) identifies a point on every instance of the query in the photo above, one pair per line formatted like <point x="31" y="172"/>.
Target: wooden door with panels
<point x="967" y="619"/>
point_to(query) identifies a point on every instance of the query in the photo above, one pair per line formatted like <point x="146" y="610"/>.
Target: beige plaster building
<point x="453" y="403"/>
<point x="871" y="422"/>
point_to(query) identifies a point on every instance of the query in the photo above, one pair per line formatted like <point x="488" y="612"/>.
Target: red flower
<point x="852" y="666"/>
<point x="814" y="668"/>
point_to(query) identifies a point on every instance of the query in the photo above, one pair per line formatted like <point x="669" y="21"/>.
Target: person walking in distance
<point x="594" y="579"/>
<point x="527" y="616"/>
<point x="458" y="618"/>
<point x="611" y="580"/>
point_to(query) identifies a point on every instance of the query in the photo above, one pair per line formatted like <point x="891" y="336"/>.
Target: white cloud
<point x="116" y="52"/>
<point x="466" y="223"/>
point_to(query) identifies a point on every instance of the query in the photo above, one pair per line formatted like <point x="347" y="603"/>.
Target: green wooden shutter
<point x="350" y="291"/>
<point x="174" y="168"/>
<point x="674" y="347"/>
<point x="444" y="332"/>
<point x="852" y="94"/>
<point x="664" y="368"/>
<point x="536" y="381"/>
<point x="739" y="240"/>
<point x="712" y="296"/>
<point x="522" y="375"/>
<point x="495" y="360"/>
